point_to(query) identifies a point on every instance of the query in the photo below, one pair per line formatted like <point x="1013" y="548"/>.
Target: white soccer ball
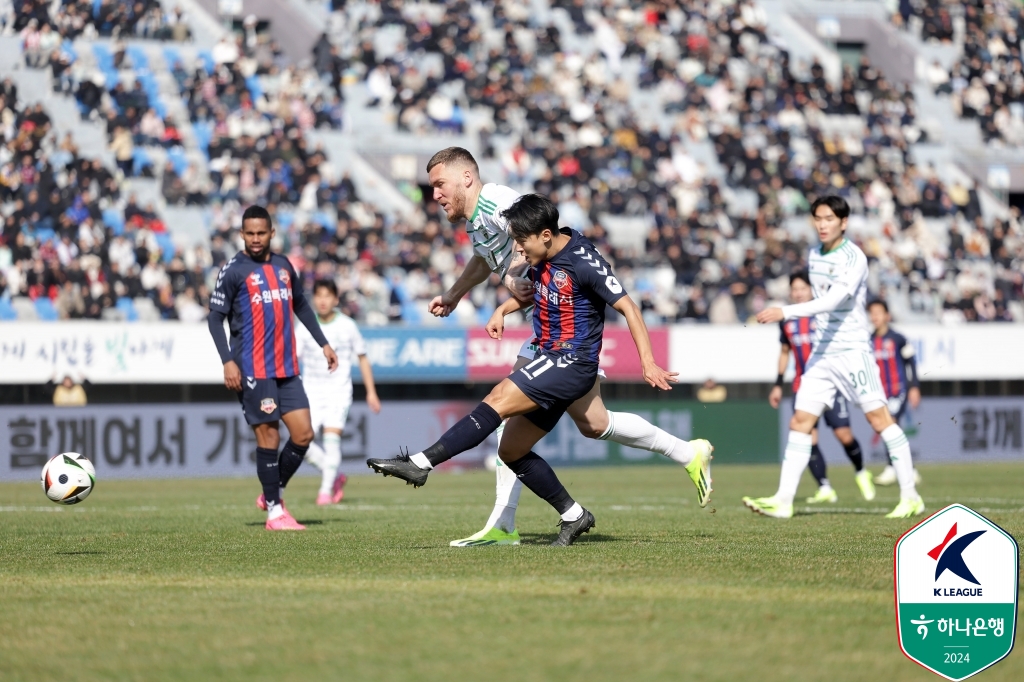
<point x="68" y="478"/>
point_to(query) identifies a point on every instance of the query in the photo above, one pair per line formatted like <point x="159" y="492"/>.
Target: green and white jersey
<point x="489" y="231"/>
<point x="839" y="280"/>
<point x="343" y="335"/>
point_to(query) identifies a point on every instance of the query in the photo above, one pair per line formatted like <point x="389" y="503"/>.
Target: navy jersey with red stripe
<point x="798" y="334"/>
<point x="896" y="362"/>
<point x="258" y="299"/>
<point x="570" y="294"/>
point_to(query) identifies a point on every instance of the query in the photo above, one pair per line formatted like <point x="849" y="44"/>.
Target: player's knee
<point x="302" y="437"/>
<point x="591" y="428"/>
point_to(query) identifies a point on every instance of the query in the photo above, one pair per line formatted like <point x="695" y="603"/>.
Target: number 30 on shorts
<point x="859" y="379"/>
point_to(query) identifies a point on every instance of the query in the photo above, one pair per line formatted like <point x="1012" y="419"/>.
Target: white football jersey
<point x="344" y="337"/>
<point x="839" y="280"/>
<point x="489" y="231"/>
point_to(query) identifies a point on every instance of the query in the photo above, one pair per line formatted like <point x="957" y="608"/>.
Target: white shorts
<point x="529" y="351"/>
<point x="329" y="412"/>
<point x="853" y="375"/>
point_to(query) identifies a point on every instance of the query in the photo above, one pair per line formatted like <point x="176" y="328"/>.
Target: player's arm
<point x="371" y="388"/>
<point x="775" y="396"/>
<point x="307" y="316"/>
<point x="653" y="375"/>
<point x="220" y="307"/>
<point x="841" y="289"/>
<point x="476" y="272"/>
<point x="909" y="359"/>
<point x="496" y="325"/>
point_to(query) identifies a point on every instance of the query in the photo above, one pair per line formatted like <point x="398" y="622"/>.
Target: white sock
<point x="798" y="454"/>
<point x="315" y="455"/>
<point x="506" y="497"/>
<point x="629" y="429"/>
<point x="332" y="460"/>
<point x="420" y="460"/>
<point x="274" y="510"/>
<point x="574" y="513"/>
<point x="899" y="452"/>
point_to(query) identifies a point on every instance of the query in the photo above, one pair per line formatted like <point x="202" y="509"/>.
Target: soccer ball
<point x="68" y="478"/>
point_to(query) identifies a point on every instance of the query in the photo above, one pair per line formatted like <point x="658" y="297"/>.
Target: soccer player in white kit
<point x="455" y="177"/>
<point x="842" y="361"/>
<point x="330" y="394"/>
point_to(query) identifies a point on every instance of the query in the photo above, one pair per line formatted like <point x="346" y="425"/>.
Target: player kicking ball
<point x="455" y="177"/>
<point x="842" y="362"/>
<point x="797" y="335"/>
<point x="330" y="392"/>
<point x="257" y="291"/>
<point x="572" y="286"/>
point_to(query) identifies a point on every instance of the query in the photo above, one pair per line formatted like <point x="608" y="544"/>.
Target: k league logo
<point x="956" y="579"/>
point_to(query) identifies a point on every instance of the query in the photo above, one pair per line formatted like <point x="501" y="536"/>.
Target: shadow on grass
<point x="304" y="522"/>
<point x="537" y="539"/>
<point x="77" y="553"/>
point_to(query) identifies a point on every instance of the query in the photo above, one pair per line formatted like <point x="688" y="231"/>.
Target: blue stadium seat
<point x="125" y="305"/>
<point x="140" y="160"/>
<point x="45" y="234"/>
<point x="138" y="57"/>
<point x="285" y="220"/>
<point x="411" y="313"/>
<point x="166" y="246"/>
<point x="171" y="56"/>
<point x="68" y="48"/>
<point x="45" y="309"/>
<point x="207" y="57"/>
<point x="324" y="220"/>
<point x="7" y="311"/>
<point x="178" y="160"/>
<point x="114" y="219"/>
<point x="253" y="84"/>
<point x="204" y="132"/>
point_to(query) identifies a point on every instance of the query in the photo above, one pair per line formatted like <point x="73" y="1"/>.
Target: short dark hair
<point x="799" y="275"/>
<point x="451" y="155"/>
<point x="326" y="284"/>
<point x="879" y="301"/>
<point x="531" y="214"/>
<point x="255" y="212"/>
<point x="837" y="204"/>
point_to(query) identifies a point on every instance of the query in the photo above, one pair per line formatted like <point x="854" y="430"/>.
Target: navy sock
<point x="855" y="455"/>
<point x="291" y="459"/>
<point x="817" y="466"/>
<point x="538" y="476"/>
<point x="269" y="474"/>
<point x="467" y="433"/>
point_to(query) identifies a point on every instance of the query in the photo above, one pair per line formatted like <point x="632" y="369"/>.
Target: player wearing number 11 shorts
<point x="842" y="361"/>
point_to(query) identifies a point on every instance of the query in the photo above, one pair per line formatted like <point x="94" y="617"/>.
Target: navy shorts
<point x="265" y="400"/>
<point x="554" y="382"/>
<point x="837" y="416"/>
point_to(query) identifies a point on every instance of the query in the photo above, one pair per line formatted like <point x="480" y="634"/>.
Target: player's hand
<point x="373" y="402"/>
<point x="520" y="287"/>
<point x="775" y="396"/>
<point x="914" y="397"/>
<point x="769" y="315"/>
<point x="658" y="377"/>
<point x="232" y="376"/>
<point x="332" y="358"/>
<point x="442" y="306"/>
<point x="495" y="325"/>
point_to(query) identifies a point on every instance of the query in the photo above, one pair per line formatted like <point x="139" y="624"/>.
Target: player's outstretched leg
<point x="819" y="470"/>
<point x="539" y="477"/>
<point x="911" y="503"/>
<point x="780" y="505"/>
<point x="500" y="528"/>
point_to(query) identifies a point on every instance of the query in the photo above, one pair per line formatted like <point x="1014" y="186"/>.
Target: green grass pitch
<point x="177" y="580"/>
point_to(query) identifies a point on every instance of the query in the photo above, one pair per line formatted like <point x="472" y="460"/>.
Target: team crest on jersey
<point x="283" y="275"/>
<point x="268" y="405"/>
<point x="561" y="279"/>
<point x="256" y="279"/>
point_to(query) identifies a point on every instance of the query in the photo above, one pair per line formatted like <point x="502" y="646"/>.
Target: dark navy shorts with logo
<point x="837" y="416"/>
<point x="265" y="400"/>
<point x="554" y="382"/>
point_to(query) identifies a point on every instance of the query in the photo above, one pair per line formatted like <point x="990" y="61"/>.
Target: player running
<point x="455" y="177"/>
<point x="841" y="362"/>
<point x="257" y="291"/>
<point x="898" y="366"/>
<point x="330" y="392"/>
<point x="798" y="334"/>
<point x="572" y="286"/>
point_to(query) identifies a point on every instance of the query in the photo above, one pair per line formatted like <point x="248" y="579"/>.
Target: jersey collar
<point x="834" y="248"/>
<point x="476" y="209"/>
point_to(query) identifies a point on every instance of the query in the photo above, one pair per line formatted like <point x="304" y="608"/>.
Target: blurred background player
<point x="455" y="177"/>
<point x="898" y="365"/>
<point x="842" y="362"/>
<point x="798" y="334"/>
<point x="257" y="291"/>
<point x="330" y="393"/>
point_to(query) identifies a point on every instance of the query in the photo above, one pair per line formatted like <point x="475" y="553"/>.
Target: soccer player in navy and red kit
<point x="897" y="364"/>
<point x="798" y="335"/>
<point x="257" y="291"/>
<point x="572" y="286"/>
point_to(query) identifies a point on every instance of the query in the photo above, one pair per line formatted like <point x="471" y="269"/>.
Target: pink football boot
<point x="284" y="522"/>
<point x="339" y="488"/>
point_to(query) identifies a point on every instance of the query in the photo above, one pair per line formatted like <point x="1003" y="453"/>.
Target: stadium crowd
<point x="43" y="25"/>
<point x="613" y="133"/>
